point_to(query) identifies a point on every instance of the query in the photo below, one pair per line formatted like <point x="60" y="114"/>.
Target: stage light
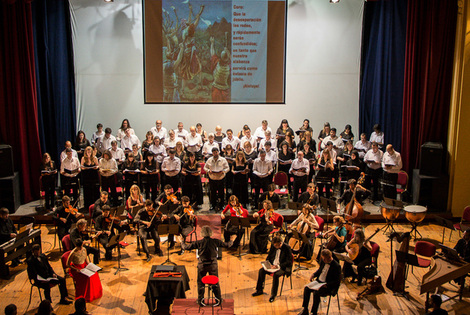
<point x="108" y="0"/>
<point x="334" y="1"/>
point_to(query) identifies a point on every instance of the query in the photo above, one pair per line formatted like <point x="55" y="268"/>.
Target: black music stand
<point x="409" y="260"/>
<point x="170" y="229"/>
<point x="168" y="208"/>
<point x="242" y="223"/>
<point x="300" y="238"/>
<point x="133" y="213"/>
<point x="115" y="240"/>
<point x="445" y="224"/>
<point x="118" y="211"/>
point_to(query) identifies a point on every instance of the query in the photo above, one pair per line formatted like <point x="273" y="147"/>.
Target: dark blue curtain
<point x="55" y="75"/>
<point x="382" y="68"/>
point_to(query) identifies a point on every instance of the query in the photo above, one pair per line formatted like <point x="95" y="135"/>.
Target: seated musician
<point x="106" y="224"/>
<point x="309" y="197"/>
<point x="167" y="196"/>
<point x="38" y="266"/>
<point x="463" y="246"/>
<point x="329" y="273"/>
<point x="304" y="224"/>
<point x="436" y="302"/>
<point x="80" y="231"/>
<point x="69" y="169"/>
<point x="171" y="167"/>
<point x="236" y="210"/>
<point x="361" y="193"/>
<point x="64" y="215"/>
<point x="280" y="257"/>
<point x="337" y="235"/>
<point x="184" y="217"/>
<point x="271" y="195"/>
<point x="363" y="258"/>
<point x="148" y="220"/>
<point x="102" y="201"/>
<point x="7" y="231"/>
<point x="259" y="235"/>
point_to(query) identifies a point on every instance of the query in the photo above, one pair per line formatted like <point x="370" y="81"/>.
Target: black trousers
<point x="259" y="237"/>
<point x="323" y="291"/>
<point x="144" y="234"/>
<point x="95" y="252"/>
<point x="174" y="181"/>
<point x="48" y="185"/>
<point x="202" y="270"/>
<point x="390" y="185"/>
<point x="260" y="183"/>
<point x="374" y="176"/>
<point x="217" y="194"/>
<point x="262" y="277"/>
<point x="300" y="182"/>
<point x="230" y="230"/>
<point x="70" y="184"/>
<point x="103" y="239"/>
<point x="47" y="288"/>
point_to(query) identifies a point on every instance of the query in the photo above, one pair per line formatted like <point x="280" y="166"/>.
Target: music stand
<point x="445" y="224"/>
<point x="115" y="240"/>
<point x="241" y="223"/>
<point x="118" y="211"/>
<point x="168" y="208"/>
<point x="170" y="229"/>
<point x="134" y="212"/>
<point x="300" y="238"/>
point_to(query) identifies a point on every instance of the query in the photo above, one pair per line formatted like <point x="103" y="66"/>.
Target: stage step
<point x="189" y="306"/>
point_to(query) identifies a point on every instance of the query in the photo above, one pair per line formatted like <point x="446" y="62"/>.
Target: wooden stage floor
<point x="123" y="293"/>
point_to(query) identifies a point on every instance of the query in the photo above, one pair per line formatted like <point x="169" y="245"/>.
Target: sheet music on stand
<point x="118" y="211"/>
<point x="135" y="210"/>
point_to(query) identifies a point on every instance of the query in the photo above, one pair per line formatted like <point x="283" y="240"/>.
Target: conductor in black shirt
<point x="38" y="265"/>
<point x="207" y="263"/>
<point x="280" y="257"/>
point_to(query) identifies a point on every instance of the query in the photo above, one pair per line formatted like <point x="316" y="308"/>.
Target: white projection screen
<point x="214" y="51"/>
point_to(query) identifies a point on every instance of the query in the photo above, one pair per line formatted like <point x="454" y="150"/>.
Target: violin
<point x="238" y="211"/>
<point x="269" y="215"/>
<point x="189" y="211"/>
<point x="172" y="198"/>
<point x="71" y="210"/>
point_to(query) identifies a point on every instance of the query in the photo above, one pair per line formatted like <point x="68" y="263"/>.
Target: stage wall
<point x="322" y="83"/>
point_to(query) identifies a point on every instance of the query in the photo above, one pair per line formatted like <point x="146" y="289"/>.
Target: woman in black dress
<point x="130" y="170"/>
<point x="310" y="156"/>
<point x="229" y="155"/>
<point x="307" y="138"/>
<point x="240" y="178"/>
<point x="347" y="133"/>
<point x="180" y="153"/>
<point x="149" y="171"/>
<point x="192" y="186"/>
<point x="282" y="132"/>
<point x="324" y="176"/>
<point x="90" y="177"/>
<point x="48" y="180"/>
<point x="285" y="158"/>
<point x="81" y="143"/>
<point x="146" y="144"/>
<point x="325" y="132"/>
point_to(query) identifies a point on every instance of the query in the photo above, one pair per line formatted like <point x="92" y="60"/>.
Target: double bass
<point x="354" y="210"/>
<point x="396" y="279"/>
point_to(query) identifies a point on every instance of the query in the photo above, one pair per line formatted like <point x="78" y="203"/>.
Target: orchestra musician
<point x="102" y="201"/>
<point x="306" y="224"/>
<point x="309" y="197"/>
<point x="207" y="262"/>
<point x="7" y="231"/>
<point x="280" y="258"/>
<point x="184" y="216"/>
<point x="362" y="260"/>
<point x="235" y="210"/>
<point x="300" y="169"/>
<point x="216" y="167"/>
<point x="148" y="219"/>
<point x="80" y="231"/>
<point x="337" y="235"/>
<point x="259" y="235"/>
<point x="361" y="193"/>
<point x="64" y="215"/>
<point x="168" y="196"/>
<point x="106" y="224"/>
<point x="436" y="302"/>
<point x="48" y="180"/>
<point x="328" y="273"/>
<point x="271" y="195"/>
<point x="69" y="169"/>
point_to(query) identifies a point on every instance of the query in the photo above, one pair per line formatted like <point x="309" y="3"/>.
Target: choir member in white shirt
<point x="158" y="150"/>
<point x="180" y="132"/>
<point x="194" y="142"/>
<point x="97" y="134"/>
<point x="170" y="142"/>
<point x="300" y="169"/>
<point x="260" y="132"/>
<point x="171" y="167"/>
<point x="69" y="169"/>
<point x="268" y="137"/>
<point x="230" y="139"/>
<point x="271" y="155"/>
<point x="249" y="138"/>
<point x="108" y="170"/>
<point x="117" y="153"/>
<point x="68" y="145"/>
<point x="159" y="131"/>
<point x="377" y="136"/>
<point x="208" y="146"/>
<point x="122" y="130"/>
<point x="373" y="159"/>
<point x="216" y="167"/>
<point x="128" y="141"/>
<point x="104" y="143"/>
<point x="338" y="144"/>
<point x="362" y="146"/>
<point x="262" y="169"/>
<point x="391" y="164"/>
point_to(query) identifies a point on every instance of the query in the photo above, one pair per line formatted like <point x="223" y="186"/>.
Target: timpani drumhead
<point x="415" y="213"/>
<point x="415" y="209"/>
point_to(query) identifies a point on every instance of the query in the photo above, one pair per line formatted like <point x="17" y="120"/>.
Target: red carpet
<point x="212" y="220"/>
<point x="189" y="306"/>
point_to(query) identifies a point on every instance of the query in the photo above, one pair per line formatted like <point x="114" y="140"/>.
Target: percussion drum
<point x="390" y="213"/>
<point x="415" y="214"/>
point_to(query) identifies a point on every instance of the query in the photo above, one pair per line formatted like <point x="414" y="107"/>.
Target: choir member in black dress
<point x="48" y="180"/>
<point x="290" y="141"/>
<point x="347" y="133"/>
<point x="130" y="170"/>
<point x="306" y="137"/>
<point x="229" y="155"/>
<point x="146" y="144"/>
<point x="148" y="219"/>
<point x="81" y="143"/>
<point x="137" y="155"/>
<point x="285" y="158"/>
<point x="325" y="132"/>
<point x="90" y="177"/>
<point x="192" y="185"/>
<point x="240" y="170"/>
<point x="180" y="152"/>
<point x="260" y="234"/>
<point x="235" y="210"/>
<point x="150" y="176"/>
<point x="282" y="131"/>
<point x="306" y="126"/>
<point x="310" y="156"/>
<point x="325" y="168"/>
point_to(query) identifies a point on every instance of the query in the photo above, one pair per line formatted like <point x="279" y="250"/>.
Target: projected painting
<point x="214" y="51"/>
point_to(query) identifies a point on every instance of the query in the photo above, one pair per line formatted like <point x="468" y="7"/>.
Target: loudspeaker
<point x="431" y="192"/>
<point x="6" y="160"/>
<point x="10" y="197"/>
<point x="431" y="161"/>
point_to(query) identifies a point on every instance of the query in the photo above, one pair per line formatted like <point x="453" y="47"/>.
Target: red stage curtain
<point x="18" y="102"/>
<point x="428" y="75"/>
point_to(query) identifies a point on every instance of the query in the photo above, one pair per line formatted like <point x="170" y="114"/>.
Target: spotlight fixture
<point x="334" y="1"/>
<point x="108" y="0"/>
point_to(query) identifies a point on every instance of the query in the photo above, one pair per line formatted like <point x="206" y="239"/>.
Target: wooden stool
<point x="209" y="282"/>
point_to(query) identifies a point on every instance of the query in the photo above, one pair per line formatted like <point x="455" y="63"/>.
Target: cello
<point x="396" y="279"/>
<point x="354" y="210"/>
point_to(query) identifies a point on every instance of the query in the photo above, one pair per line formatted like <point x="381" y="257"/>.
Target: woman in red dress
<point x="87" y="287"/>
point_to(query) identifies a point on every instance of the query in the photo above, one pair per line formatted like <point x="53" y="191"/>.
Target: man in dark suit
<point x="280" y="257"/>
<point x="329" y="273"/>
<point x="38" y="265"/>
